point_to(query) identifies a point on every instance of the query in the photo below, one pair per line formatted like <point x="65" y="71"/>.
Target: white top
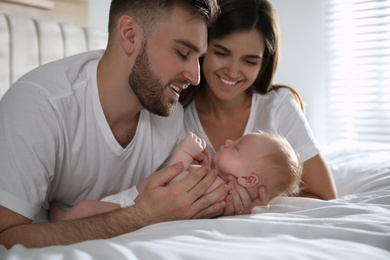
<point x="55" y="143"/>
<point x="274" y="112"/>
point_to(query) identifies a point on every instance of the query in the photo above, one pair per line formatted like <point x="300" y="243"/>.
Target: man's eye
<point x="183" y="56"/>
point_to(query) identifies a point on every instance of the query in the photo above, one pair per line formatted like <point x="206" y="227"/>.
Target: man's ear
<point x="127" y="30"/>
<point x="248" y="180"/>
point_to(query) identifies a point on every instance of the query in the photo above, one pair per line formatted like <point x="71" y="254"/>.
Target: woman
<point x="236" y="96"/>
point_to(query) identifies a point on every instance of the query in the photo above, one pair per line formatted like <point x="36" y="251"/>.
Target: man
<point x="76" y="129"/>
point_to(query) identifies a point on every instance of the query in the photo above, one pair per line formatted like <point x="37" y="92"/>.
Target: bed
<point x="354" y="226"/>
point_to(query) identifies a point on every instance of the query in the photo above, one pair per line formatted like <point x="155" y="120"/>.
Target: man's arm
<point x="157" y="203"/>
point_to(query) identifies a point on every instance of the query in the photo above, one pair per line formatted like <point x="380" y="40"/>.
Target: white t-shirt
<point x="275" y="112"/>
<point x="55" y="142"/>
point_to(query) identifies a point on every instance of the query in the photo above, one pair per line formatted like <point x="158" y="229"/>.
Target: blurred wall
<point x="303" y="55"/>
<point x="98" y="14"/>
<point x="65" y="11"/>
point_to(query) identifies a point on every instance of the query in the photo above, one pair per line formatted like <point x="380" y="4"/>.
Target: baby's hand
<point x="194" y="146"/>
<point x="204" y="158"/>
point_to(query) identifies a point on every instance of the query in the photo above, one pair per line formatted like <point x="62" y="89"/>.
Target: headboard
<point x="26" y="43"/>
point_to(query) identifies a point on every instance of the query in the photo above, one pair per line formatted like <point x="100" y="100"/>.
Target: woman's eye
<point x="219" y="53"/>
<point x="251" y="62"/>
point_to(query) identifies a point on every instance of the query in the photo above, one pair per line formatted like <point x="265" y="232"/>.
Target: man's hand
<point x="181" y="200"/>
<point x="156" y="204"/>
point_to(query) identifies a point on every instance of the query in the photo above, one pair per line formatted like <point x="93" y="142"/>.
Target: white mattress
<point x="354" y="226"/>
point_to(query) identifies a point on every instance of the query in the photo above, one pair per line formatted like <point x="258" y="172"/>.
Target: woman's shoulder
<point x="276" y="92"/>
<point x="190" y="113"/>
<point x="274" y="97"/>
<point x="191" y="118"/>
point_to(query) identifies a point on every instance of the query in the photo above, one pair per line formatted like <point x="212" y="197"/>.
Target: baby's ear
<point x="248" y="180"/>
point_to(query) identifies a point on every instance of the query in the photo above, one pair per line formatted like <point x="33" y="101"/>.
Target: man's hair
<point x="148" y="13"/>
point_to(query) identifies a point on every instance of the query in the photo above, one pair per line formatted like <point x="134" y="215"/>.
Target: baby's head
<point x="261" y="159"/>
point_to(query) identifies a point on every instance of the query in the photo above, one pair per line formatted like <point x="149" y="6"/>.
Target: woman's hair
<point x="148" y="13"/>
<point x="241" y="16"/>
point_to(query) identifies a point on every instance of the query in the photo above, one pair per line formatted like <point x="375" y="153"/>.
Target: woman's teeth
<point x="227" y="82"/>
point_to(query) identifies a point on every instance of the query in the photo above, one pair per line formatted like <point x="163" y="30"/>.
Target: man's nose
<point x="192" y="72"/>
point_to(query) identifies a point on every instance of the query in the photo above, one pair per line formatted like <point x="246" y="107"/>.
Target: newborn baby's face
<point x="239" y="157"/>
<point x="230" y="159"/>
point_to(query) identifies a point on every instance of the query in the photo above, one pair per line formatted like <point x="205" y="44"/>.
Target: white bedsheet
<point x="354" y="226"/>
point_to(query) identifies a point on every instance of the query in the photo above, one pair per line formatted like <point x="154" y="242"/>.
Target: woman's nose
<point x="232" y="70"/>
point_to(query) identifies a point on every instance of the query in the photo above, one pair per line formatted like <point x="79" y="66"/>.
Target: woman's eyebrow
<point x="221" y="47"/>
<point x="229" y="51"/>
<point x="254" y="57"/>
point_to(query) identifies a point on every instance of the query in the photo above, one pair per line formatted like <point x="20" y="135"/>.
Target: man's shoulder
<point x="58" y="77"/>
<point x="64" y="66"/>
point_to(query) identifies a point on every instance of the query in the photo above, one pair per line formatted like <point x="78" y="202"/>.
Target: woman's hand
<point x="238" y="200"/>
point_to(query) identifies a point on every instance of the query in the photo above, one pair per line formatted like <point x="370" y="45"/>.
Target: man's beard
<point x="148" y="87"/>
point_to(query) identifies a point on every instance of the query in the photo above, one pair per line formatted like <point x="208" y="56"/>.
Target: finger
<point x="198" y="140"/>
<point x="199" y="158"/>
<point x="161" y="178"/>
<point x="245" y="199"/>
<point x="212" y="211"/>
<point x="236" y="200"/>
<point x="241" y="199"/>
<point x="263" y="196"/>
<point x="207" y="157"/>
<point x="201" y="181"/>
<point x="229" y="208"/>
<point x="212" y="204"/>
<point x="203" y="144"/>
<point x="196" y="182"/>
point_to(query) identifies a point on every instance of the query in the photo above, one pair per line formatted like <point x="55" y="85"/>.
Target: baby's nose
<point x="228" y="142"/>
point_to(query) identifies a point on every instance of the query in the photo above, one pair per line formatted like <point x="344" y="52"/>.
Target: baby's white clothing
<point x="124" y="198"/>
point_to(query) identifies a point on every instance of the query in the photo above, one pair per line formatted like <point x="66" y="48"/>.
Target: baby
<point x="255" y="159"/>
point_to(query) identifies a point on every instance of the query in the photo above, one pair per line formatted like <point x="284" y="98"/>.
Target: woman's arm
<point x="318" y="180"/>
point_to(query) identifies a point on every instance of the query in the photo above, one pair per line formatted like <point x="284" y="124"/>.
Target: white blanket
<point x="354" y="226"/>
